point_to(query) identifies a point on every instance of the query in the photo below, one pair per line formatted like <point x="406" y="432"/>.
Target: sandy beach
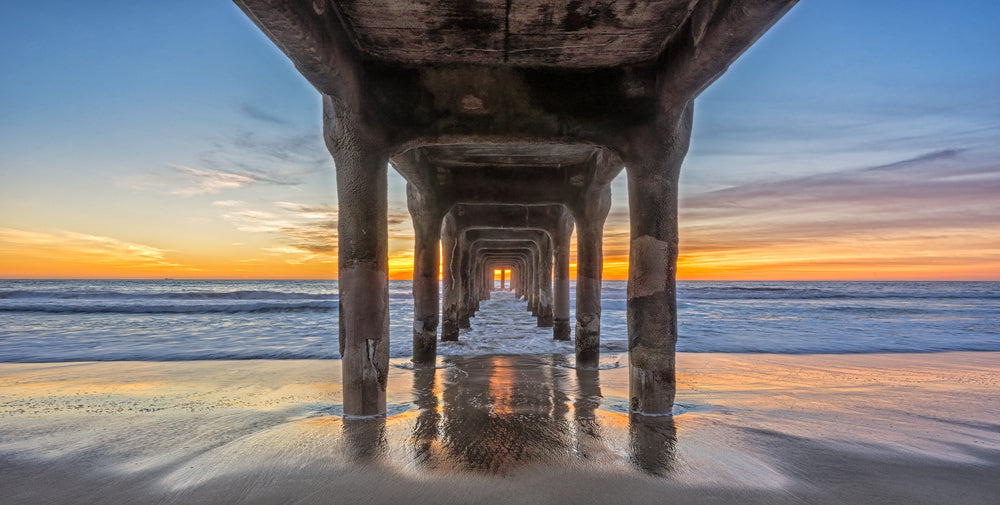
<point x="888" y="428"/>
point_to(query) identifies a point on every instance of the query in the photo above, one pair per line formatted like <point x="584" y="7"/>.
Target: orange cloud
<point x="45" y="254"/>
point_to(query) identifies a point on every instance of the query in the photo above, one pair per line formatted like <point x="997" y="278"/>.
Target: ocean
<point x="179" y="320"/>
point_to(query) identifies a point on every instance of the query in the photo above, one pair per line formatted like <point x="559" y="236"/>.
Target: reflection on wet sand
<point x="495" y="414"/>
<point x="651" y="442"/>
<point x="426" y="427"/>
<point x="364" y="439"/>
<point x="760" y="429"/>
<point x="588" y="438"/>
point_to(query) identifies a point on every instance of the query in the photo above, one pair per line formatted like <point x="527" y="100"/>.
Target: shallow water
<point x="505" y="429"/>
<point x="79" y="320"/>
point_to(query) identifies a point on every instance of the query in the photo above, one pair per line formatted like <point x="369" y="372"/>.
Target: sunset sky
<point x="855" y="140"/>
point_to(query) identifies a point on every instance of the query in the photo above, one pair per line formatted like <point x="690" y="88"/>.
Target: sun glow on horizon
<point x="181" y="143"/>
<point x="63" y="254"/>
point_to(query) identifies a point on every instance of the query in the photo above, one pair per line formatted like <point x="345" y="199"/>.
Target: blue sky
<point x="176" y="136"/>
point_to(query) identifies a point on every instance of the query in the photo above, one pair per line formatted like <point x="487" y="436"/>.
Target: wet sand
<point x="902" y="428"/>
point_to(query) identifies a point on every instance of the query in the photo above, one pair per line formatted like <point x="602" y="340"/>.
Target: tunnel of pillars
<point x="509" y="128"/>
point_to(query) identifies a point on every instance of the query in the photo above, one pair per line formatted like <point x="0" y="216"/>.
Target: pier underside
<point x="509" y="121"/>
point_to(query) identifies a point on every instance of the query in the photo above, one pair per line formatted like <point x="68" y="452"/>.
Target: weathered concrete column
<point x="503" y="280"/>
<point x="589" y="269"/>
<point x="533" y="295"/>
<point x="560" y="302"/>
<point x="452" y="291"/>
<point x="426" y="214"/>
<point x="515" y="282"/>
<point x="363" y="258"/>
<point x="525" y="281"/>
<point x="485" y="283"/>
<point x="487" y="280"/>
<point x="545" y="283"/>
<point x="653" y="169"/>
<point x="465" y="282"/>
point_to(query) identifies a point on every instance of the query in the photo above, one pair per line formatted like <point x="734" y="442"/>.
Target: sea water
<point x="93" y="320"/>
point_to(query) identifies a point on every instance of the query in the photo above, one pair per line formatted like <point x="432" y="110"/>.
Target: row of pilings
<point x="489" y="111"/>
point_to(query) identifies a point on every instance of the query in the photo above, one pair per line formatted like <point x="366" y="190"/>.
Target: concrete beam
<point x="313" y="36"/>
<point x="715" y="34"/>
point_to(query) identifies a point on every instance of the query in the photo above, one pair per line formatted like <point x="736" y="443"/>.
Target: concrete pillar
<point x="589" y="268"/>
<point x="545" y="283"/>
<point x="452" y="291"/>
<point x="533" y="274"/>
<point x="515" y="278"/>
<point x="465" y="283"/>
<point x="426" y="215"/>
<point x="484" y="278"/>
<point x="487" y="280"/>
<point x="503" y="280"/>
<point x="653" y="169"/>
<point x="560" y="302"/>
<point x="523" y="280"/>
<point x="363" y="258"/>
<point x="513" y="281"/>
<point x="535" y="284"/>
<point x="527" y="280"/>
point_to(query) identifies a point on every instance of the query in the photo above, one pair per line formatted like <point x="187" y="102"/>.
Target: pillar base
<point x="449" y="330"/>
<point x="425" y="340"/>
<point x="561" y="329"/>
<point x="463" y="322"/>
<point x="588" y="340"/>
<point x="652" y="381"/>
<point x="545" y="319"/>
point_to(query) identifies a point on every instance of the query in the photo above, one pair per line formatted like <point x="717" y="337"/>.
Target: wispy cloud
<point x="307" y="232"/>
<point x="937" y="211"/>
<point x="64" y="245"/>
<point x="277" y="154"/>
<point x="919" y="210"/>
<point x="254" y="112"/>
<point x="281" y="157"/>
<point x="744" y="139"/>
<point x="935" y="189"/>
<point x="228" y="203"/>
<point x="188" y="181"/>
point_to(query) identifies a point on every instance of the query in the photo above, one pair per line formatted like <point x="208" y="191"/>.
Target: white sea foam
<point x="83" y="320"/>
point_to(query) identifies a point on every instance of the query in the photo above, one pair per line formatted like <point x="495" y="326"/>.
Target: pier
<point x="509" y="120"/>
